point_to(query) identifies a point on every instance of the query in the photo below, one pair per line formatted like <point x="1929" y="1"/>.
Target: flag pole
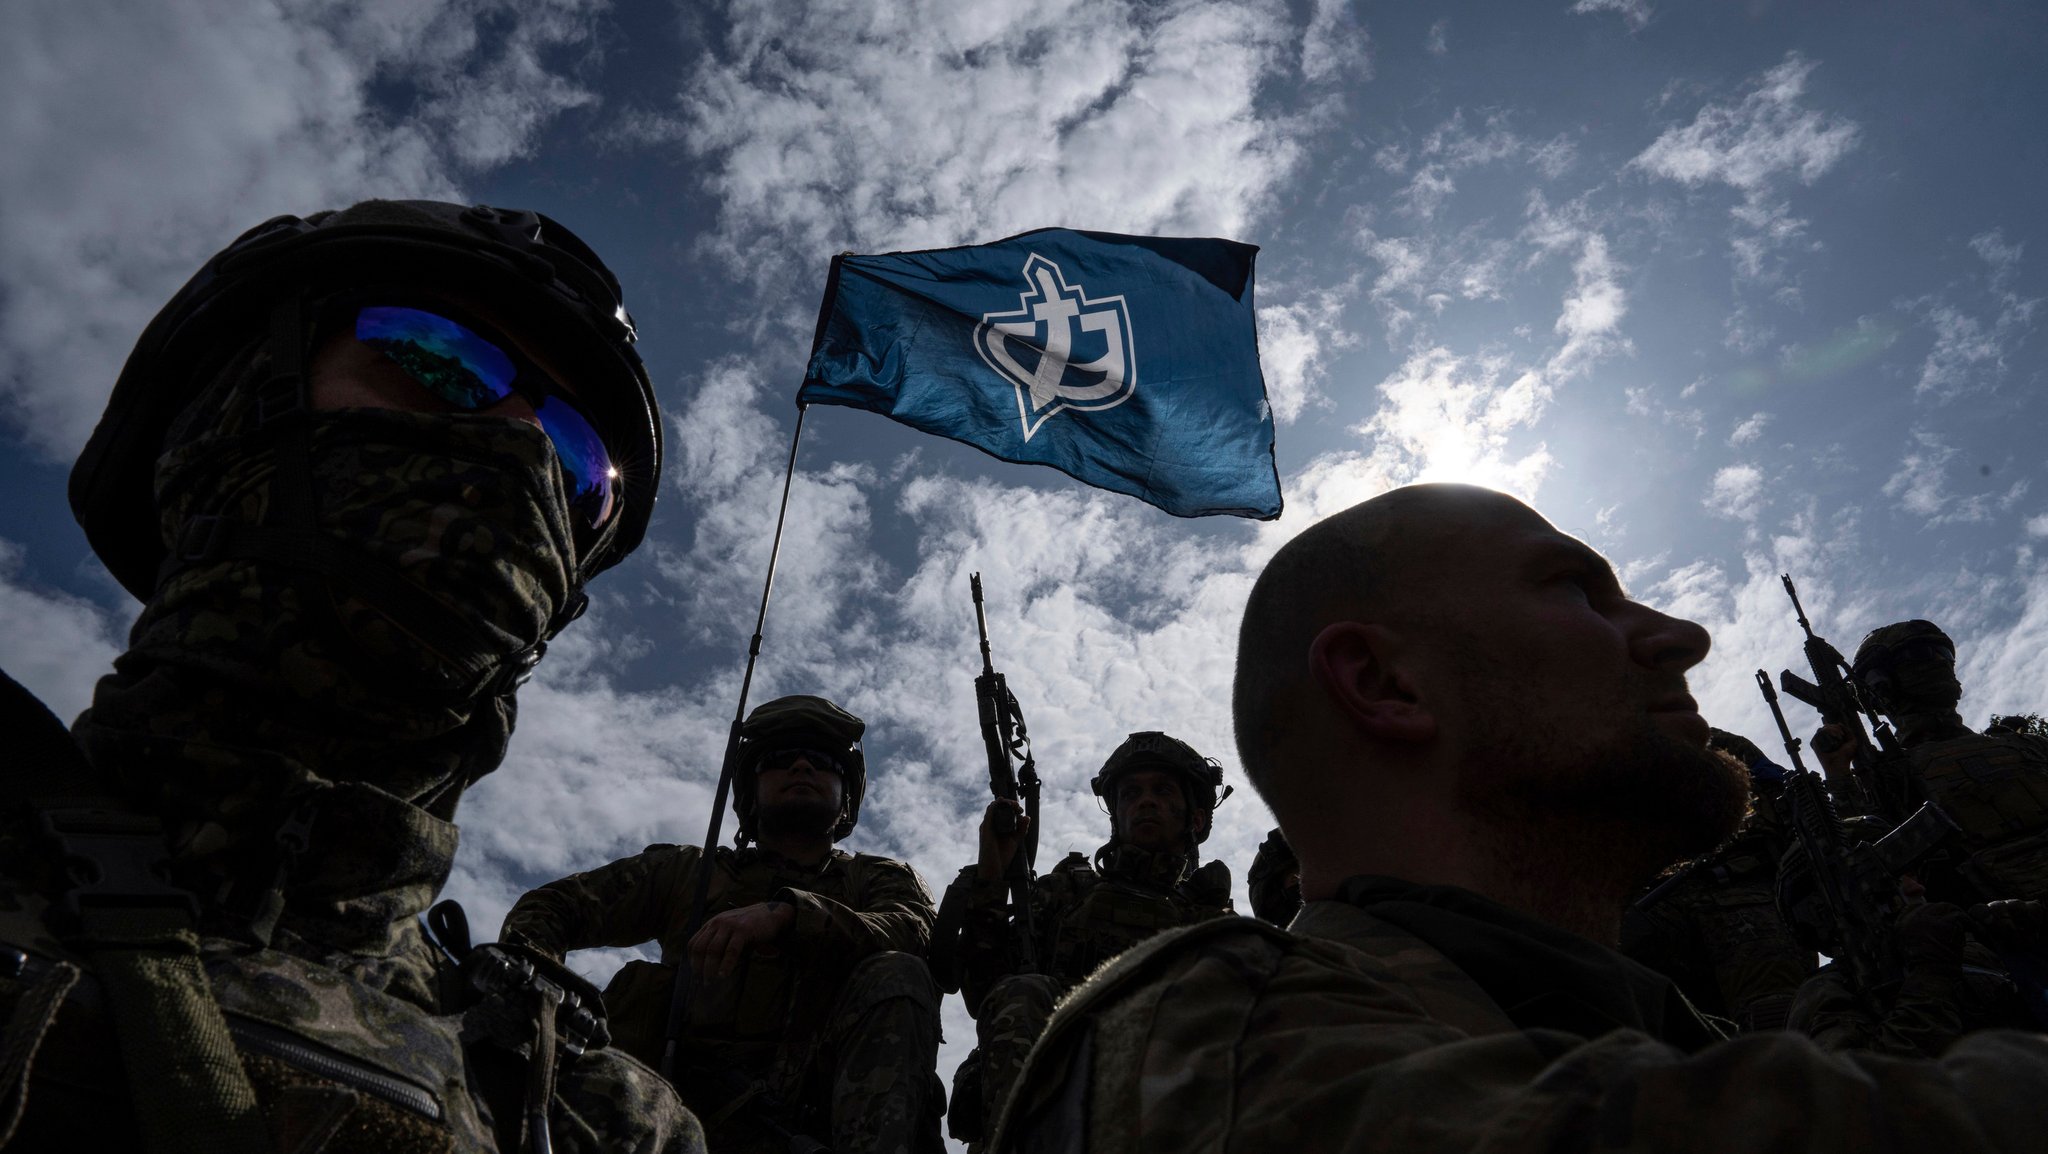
<point x="679" y="998"/>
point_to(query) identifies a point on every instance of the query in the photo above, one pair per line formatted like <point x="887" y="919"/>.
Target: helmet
<point x="536" y="271"/>
<point x="1201" y="777"/>
<point x="800" y="719"/>
<point x="1909" y="667"/>
<point x="1914" y="640"/>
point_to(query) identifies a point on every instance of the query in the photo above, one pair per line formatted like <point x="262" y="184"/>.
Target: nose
<point x="1672" y="644"/>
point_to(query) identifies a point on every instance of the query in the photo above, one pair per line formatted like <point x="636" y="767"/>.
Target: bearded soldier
<point x="359" y="470"/>
<point x="1161" y="796"/>
<point x="1480" y="747"/>
<point x="1714" y="927"/>
<point x="811" y="1011"/>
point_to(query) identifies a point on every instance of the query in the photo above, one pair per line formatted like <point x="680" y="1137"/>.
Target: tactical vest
<point x="196" y="1044"/>
<point x="1100" y="917"/>
<point x="1757" y="963"/>
<point x="1995" y="788"/>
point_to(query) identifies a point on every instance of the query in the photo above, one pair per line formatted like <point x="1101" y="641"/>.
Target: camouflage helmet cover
<point x="801" y="719"/>
<point x="1202" y="777"/>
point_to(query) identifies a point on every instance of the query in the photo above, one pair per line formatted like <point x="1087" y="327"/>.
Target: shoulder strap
<point x="139" y="933"/>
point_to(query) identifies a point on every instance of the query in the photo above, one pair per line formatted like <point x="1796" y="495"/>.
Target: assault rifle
<point x="1835" y="697"/>
<point x="1012" y="774"/>
<point x="1857" y="884"/>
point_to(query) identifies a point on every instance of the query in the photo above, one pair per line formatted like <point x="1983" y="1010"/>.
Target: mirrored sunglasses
<point x="453" y="362"/>
<point x="819" y="759"/>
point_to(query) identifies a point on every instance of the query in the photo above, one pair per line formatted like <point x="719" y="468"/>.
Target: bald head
<point x="1373" y="562"/>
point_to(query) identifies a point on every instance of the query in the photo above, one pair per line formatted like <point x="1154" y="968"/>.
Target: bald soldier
<point x="1478" y="747"/>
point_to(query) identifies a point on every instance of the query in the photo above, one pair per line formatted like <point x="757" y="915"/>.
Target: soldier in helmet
<point x="811" y="1011"/>
<point x="1993" y="785"/>
<point x="1161" y="796"/>
<point x="359" y="470"/>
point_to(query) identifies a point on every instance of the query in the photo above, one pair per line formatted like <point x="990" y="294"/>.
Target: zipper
<point x="264" y="1038"/>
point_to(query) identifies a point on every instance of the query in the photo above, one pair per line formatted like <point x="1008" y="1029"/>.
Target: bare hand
<point x="998" y="848"/>
<point x="725" y="939"/>
<point x="1836" y="763"/>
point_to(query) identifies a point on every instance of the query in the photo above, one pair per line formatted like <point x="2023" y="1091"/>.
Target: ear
<point x="1357" y="666"/>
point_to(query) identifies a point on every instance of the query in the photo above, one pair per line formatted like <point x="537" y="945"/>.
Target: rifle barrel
<point x="988" y="667"/>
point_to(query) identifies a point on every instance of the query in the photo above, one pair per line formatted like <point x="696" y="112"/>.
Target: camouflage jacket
<point x="1081" y="918"/>
<point x="1994" y="786"/>
<point x="1718" y="934"/>
<point x="1425" y="1019"/>
<point x="849" y="907"/>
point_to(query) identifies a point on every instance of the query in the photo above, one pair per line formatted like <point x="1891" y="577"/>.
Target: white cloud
<point x="1920" y="485"/>
<point x="1447" y="417"/>
<point x="1438" y="42"/>
<point x="1294" y="342"/>
<point x="1591" y="319"/>
<point x="2038" y="526"/>
<point x="56" y="645"/>
<point x="841" y="124"/>
<point x="1635" y="12"/>
<point x="1749" y="431"/>
<point x="1754" y="146"/>
<point x="1335" y="46"/>
<point x="1735" y="492"/>
<point x="1969" y="354"/>
<point x="141" y="138"/>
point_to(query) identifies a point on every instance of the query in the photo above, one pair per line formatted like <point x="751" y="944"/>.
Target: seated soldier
<point x="1480" y="748"/>
<point x="810" y="1011"/>
<point x="359" y="470"/>
<point x="1161" y="796"/>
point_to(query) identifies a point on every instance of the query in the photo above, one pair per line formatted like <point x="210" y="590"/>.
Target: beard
<point x="800" y="818"/>
<point x="1613" y="810"/>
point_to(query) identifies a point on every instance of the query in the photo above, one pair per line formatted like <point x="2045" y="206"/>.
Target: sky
<point x="1726" y="290"/>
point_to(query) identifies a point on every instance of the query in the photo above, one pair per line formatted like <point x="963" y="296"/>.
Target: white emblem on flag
<point x="1055" y="325"/>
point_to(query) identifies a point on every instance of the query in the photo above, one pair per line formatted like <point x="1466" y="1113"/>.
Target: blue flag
<point x="1130" y="363"/>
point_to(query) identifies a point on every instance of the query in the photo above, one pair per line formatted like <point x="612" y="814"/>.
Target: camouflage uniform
<point x="1274" y="881"/>
<point x="837" y="1025"/>
<point x="1418" y="1018"/>
<point x="338" y="606"/>
<point x="1716" y="930"/>
<point x="1082" y="918"/>
<point x="1718" y="934"/>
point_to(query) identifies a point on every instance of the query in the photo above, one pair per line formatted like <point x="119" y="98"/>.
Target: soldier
<point x="359" y="470"/>
<point x="1993" y="785"/>
<point x="1161" y="796"/>
<point x="1274" y="880"/>
<point x="1714" y="928"/>
<point x="811" y="1011"/>
<point x="1479" y="747"/>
